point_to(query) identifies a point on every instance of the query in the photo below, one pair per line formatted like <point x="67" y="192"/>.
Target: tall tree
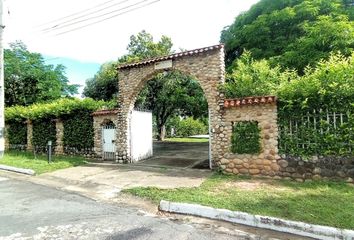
<point x="104" y="85"/>
<point x="291" y="33"/>
<point x="28" y="79"/>
<point x="170" y="94"/>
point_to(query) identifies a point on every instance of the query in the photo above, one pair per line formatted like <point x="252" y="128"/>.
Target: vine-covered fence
<point x="67" y="123"/>
<point x="316" y="133"/>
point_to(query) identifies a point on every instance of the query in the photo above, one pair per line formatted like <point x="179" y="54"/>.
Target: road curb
<point x="17" y="170"/>
<point x="276" y="224"/>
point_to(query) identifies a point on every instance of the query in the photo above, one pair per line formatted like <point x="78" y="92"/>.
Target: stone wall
<point x="317" y="168"/>
<point x="268" y="162"/>
<point x="265" y="163"/>
<point x="206" y="65"/>
<point x="101" y="118"/>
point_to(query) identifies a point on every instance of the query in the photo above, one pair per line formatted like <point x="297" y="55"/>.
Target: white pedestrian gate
<point x="140" y="135"/>
<point x="109" y="138"/>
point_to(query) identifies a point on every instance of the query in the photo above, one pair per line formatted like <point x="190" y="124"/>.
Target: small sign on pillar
<point x="163" y="65"/>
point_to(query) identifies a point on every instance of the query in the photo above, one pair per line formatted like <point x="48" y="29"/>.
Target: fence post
<point x="29" y="135"/>
<point x="59" y="146"/>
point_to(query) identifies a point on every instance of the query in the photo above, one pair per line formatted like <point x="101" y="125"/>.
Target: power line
<point x="94" y="17"/>
<point x="76" y="13"/>
<point x="105" y="19"/>
<point x="84" y="15"/>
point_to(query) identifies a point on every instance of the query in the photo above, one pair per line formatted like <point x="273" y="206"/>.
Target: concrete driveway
<point x="177" y="154"/>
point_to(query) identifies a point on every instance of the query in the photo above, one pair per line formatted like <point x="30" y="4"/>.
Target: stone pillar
<point x="29" y="136"/>
<point x="97" y="128"/>
<point x="59" y="146"/>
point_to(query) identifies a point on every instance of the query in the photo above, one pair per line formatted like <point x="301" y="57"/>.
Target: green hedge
<point x="245" y="138"/>
<point x="44" y="130"/>
<point x="78" y="130"/>
<point x="17" y="133"/>
<point x="186" y="127"/>
<point x="76" y="116"/>
<point x="54" y="109"/>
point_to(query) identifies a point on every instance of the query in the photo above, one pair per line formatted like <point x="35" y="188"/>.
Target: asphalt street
<point x="30" y="211"/>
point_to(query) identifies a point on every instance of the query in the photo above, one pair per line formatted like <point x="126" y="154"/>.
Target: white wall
<point x="141" y="135"/>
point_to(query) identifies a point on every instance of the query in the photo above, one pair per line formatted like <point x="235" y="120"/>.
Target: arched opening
<point x="206" y="65"/>
<point x="179" y="109"/>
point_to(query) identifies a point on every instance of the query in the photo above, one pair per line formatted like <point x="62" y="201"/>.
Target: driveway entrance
<point x="178" y="154"/>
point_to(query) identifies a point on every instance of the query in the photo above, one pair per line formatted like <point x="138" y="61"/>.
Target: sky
<point x="41" y="25"/>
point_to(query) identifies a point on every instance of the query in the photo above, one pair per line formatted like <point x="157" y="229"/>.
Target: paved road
<point x="30" y="211"/>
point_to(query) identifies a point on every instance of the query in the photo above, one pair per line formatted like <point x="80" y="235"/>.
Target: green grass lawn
<point x="324" y="203"/>
<point x="39" y="164"/>
<point x="186" y="140"/>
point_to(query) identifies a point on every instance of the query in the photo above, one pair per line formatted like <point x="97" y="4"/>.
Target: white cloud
<point x="190" y="23"/>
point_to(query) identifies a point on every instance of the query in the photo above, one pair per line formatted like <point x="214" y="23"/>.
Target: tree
<point x="284" y="31"/>
<point x="29" y="80"/>
<point x="249" y="77"/>
<point x="104" y="85"/>
<point x="172" y="94"/>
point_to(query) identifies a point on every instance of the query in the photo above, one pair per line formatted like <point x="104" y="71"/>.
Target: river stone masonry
<point x="100" y="119"/>
<point x="263" y="110"/>
<point x="206" y="65"/>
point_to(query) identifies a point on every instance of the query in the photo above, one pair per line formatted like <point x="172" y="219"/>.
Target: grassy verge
<point x="186" y="140"/>
<point x="39" y="164"/>
<point x="324" y="203"/>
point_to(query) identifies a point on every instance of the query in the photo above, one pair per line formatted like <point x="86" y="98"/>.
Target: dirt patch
<point x="251" y="185"/>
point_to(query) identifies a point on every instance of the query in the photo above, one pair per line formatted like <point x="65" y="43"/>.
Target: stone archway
<point x="205" y="64"/>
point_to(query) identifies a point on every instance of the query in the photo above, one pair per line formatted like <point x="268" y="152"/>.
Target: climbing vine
<point x="17" y="133"/>
<point x="43" y="131"/>
<point x="245" y="137"/>
<point x="78" y="130"/>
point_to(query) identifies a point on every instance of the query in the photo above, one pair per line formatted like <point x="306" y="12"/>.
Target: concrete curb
<point x="18" y="170"/>
<point x="276" y="224"/>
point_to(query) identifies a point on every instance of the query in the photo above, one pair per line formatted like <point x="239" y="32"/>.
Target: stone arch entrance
<point x="206" y="65"/>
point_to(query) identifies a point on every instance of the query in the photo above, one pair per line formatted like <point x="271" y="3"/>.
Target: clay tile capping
<point x="239" y="102"/>
<point x="105" y="112"/>
<point x="172" y="56"/>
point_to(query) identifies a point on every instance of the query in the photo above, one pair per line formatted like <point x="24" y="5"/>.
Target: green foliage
<point x="249" y="77"/>
<point x="291" y="33"/>
<point x="44" y="130"/>
<point x="187" y="127"/>
<point x="328" y="85"/>
<point x="53" y="109"/>
<point x="29" y="80"/>
<point x="104" y="85"/>
<point x="78" y="130"/>
<point x="321" y="134"/>
<point x="17" y="133"/>
<point x="172" y="94"/>
<point x="142" y="46"/>
<point x="245" y="138"/>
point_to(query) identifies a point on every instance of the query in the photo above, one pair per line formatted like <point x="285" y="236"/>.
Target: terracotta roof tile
<point x="105" y="112"/>
<point x="172" y="56"/>
<point x="238" y="102"/>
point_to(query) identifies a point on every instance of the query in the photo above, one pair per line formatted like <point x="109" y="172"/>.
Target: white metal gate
<point x="109" y="145"/>
<point x="141" y="135"/>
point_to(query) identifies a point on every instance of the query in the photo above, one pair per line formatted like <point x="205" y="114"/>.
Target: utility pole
<point x="2" y="85"/>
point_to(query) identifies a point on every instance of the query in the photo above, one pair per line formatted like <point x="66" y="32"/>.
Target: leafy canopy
<point x="29" y="80"/>
<point x="291" y="33"/>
